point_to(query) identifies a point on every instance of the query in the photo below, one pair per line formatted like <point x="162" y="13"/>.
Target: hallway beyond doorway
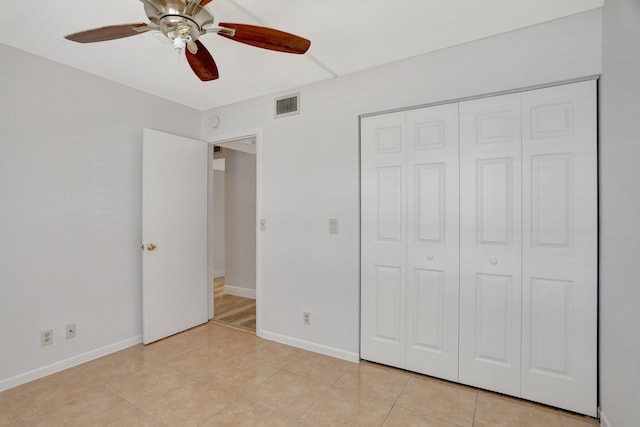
<point x="232" y="310"/>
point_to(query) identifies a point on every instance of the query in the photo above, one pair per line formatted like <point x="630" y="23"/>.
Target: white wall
<point x="70" y="171"/>
<point x="240" y="224"/>
<point x="310" y="164"/>
<point x="620" y="215"/>
<point x="218" y="223"/>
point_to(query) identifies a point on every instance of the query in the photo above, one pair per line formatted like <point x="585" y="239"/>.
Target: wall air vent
<point x="287" y="105"/>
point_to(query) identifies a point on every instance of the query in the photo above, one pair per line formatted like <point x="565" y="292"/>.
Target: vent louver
<point x="287" y="105"/>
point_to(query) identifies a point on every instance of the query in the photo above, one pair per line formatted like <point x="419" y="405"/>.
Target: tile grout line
<point x="396" y="401"/>
<point x="422" y="414"/>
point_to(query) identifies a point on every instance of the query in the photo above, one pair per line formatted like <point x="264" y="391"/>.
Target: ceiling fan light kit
<point x="183" y="22"/>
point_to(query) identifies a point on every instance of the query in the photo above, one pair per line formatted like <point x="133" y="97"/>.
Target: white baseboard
<point x="240" y="292"/>
<point x="218" y="273"/>
<point x="67" y="363"/>
<point x="604" y="422"/>
<point x="307" y="345"/>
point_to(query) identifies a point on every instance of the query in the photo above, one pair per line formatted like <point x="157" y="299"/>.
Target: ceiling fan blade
<point x="202" y="63"/>
<point x="203" y="3"/>
<point x="266" y="38"/>
<point x="110" y="32"/>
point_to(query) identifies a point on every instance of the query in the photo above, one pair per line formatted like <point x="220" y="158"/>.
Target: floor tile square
<point x="374" y="381"/>
<point x="439" y="399"/>
<point x="404" y="418"/>
<point x="190" y="405"/>
<point x="202" y="360"/>
<point x="47" y="393"/>
<point x="240" y="374"/>
<point x="118" y="366"/>
<point x="319" y="367"/>
<point x="339" y="407"/>
<point x="286" y="393"/>
<point x="274" y="354"/>
<point x="207" y="333"/>
<point x="96" y="407"/>
<point x="7" y="415"/>
<point x="236" y="343"/>
<point x="149" y="384"/>
<point x="137" y="418"/>
<point x="243" y="413"/>
<point x="170" y="347"/>
<point x="497" y="410"/>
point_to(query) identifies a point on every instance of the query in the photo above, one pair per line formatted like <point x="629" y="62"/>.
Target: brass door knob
<point x="151" y="247"/>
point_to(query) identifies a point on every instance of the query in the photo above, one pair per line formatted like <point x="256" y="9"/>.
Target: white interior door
<point x="433" y="241"/>
<point x="174" y="220"/>
<point x="490" y="243"/>
<point x="383" y="239"/>
<point x="560" y="231"/>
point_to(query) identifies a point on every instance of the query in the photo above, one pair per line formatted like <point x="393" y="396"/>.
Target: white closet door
<point x="490" y="243"/>
<point x="383" y="239"/>
<point x="432" y="241"/>
<point x="559" y="328"/>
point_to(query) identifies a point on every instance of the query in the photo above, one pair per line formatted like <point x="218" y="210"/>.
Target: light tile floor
<point x="213" y="375"/>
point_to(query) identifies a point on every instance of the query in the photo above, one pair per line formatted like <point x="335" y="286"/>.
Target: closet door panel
<point x="383" y="239"/>
<point x="490" y="243"/>
<point x="433" y="241"/>
<point x="560" y="247"/>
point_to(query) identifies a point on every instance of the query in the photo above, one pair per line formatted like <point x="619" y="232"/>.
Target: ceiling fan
<point x="183" y="22"/>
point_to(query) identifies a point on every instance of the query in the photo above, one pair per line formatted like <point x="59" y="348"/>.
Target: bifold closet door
<point x="479" y="243"/>
<point x="490" y="243"/>
<point x="409" y="240"/>
<point x="432" y="241"/>
<point x="528" y="277"/>
<point x="560" y="230"/>
<point x="383" y="239"/>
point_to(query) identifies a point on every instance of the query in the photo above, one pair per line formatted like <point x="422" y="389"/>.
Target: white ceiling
<point x="346" y="36"/>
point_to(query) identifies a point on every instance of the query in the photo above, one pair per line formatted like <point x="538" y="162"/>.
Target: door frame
<point x="217" y="140"/>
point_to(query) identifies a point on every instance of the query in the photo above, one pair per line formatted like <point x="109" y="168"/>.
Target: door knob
<point x="429" y="257"/>
<point x="493" y="261"/>
<point x="151" y="247"/>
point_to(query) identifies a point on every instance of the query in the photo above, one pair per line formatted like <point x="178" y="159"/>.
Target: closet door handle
<point x="430" y="257"/>
<point x="493" y="261"/>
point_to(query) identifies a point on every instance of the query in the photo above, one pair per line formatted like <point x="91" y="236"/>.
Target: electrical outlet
<point x="306" y="318"/>
<point x="70" y="331"/>
<point x="46" y="337"/>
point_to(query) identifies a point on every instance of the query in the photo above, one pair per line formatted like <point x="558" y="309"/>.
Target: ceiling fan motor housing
<point x="178" y="18"/>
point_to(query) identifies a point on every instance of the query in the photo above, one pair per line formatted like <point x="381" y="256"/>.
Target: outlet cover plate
<point x="70" y="331"/>
<point x="46" y="337"/>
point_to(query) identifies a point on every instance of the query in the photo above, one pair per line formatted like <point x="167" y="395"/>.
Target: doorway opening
<point x="233" y="233"/>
